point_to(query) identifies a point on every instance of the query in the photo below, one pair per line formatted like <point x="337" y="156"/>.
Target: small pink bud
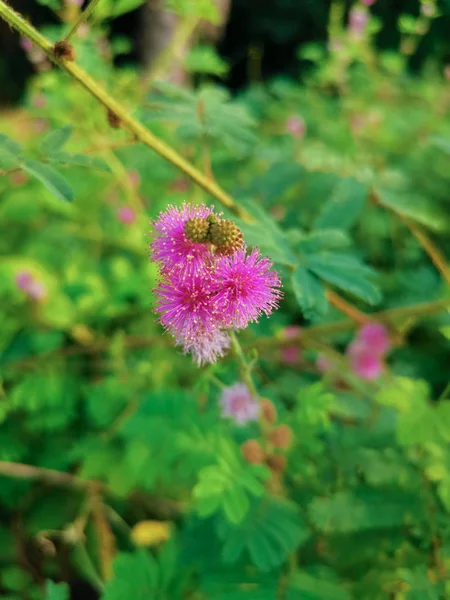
<point x="83" y="30"/>
<point x="36" y="291"/>
<point x="427" y="10"/>
<point x="23" y="279"/>
<point x="364" y="364"/>
<point x="291" y="332"/>
<point x="134" y="178"/>
<point x="375" y="338"/>
<point x="179" y="185"/>
<point x="26" y="44"/>
<point x="126" y="215"/>
<point x="40" y="125"/>
<point x="357" y="21"/>
<point x="38" y="101"/>
<point x="290" y="355"/>
<point x="324" y="364"/>
<point x="296" y="126"/>
<point x="18" y="179"/>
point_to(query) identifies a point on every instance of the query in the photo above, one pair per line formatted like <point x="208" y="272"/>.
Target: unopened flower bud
<point x="277" y="463"/>
<point x="268" y="411"/>
<point x="281" y="437"/>
<point x="226" y="236"/>
<point x="252" y="452"/>
<point x="197" y="229"/>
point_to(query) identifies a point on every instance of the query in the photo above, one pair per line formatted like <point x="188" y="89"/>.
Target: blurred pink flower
<point x="36" y="290"/>
<point x="126" y="215"/>
<point x="335" y="45"/>
<point x="324" y="364"/>
<point x="357" y="21"/>
<point x="427" y="10"/>
<point x="26" y="44"/>
<point x="23" y="279"/>
<point x="291" y="331"/>
<point x="290" y="355"/>
<point x="296" y="126"/>
<point x="368" y="2"/>
<point x="134" y="178"/>
<point x="40" y="125"/>
<point x="83" y="30"/>
<point x="75" y="2"/>
<point x="179" y="185"/>
<point x="38" y="101"/>
<point x="33" y="288"/>
<point x="375" y="337"/>
<point x="363" y="362"/>
<point x="238" y="404"/>
<point x="18" y="179"/>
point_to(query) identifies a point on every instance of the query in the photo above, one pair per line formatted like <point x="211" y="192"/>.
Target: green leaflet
<point x="55" y="183"/>
<point x="56" y="591"/>
<point x="56" y="139"/>
<point x="344" y="207"/>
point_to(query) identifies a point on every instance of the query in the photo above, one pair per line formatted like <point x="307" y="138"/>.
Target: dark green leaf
<point x="53" y="181"/>
<point x="309" y="292"/>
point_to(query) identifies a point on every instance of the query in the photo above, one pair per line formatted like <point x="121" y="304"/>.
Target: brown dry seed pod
<point x="252" y="451"/>
<point x="268" y="411"/>
<point x="276" y="462"/>
<point x="281" y="437"/>
<point x="64" y="50"/>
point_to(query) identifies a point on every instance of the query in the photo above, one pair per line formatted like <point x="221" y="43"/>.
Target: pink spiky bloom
<point x="324" y="364"/>
<point x="375" y="337"/>
<point x="23" y="280"/>
<point x="246" y="287"/>
<point x="206" y="346"/>
<point x="187" y="307"/>
<point x="126" y="215"/>
<point x="171" y="247"/>
<point x="238" y="404"/>
<point x="363" y="362"/>
<point x="296" y="126"/>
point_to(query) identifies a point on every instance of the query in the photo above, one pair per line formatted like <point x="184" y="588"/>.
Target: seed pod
<point x="226" y="236"/>
<point x="281" y="437"/>
<point x="252" y="452"/>
<point x="268" y="411"/>
<point x="276" y="462"/>
<point x="64" y="50"/>
<point x="197" y="229"/>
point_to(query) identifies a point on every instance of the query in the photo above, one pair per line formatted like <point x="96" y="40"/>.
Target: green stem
<point x="246" y="372"/>
<point x="84" y="16"/>
<point x="127" y="122"/>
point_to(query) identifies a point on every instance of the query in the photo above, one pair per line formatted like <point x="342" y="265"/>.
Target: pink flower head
<point x="364" y="363"/>
<point x="171" y="247"/>
<point x="290" y="355"/>
<point x="23" y="279"/>
<point x="357" y="21"/>
<point x="26" y="44"/>
<point x="238" y="404"/>
<point x="187" y="307"/>
<point x="296" y="126"/>
<point x="126" y="215"/>
<point x="246" y="286"/>
<point x="324" y="364"/>
<point x="206" y="347"/>
<point x="375" y="337"/>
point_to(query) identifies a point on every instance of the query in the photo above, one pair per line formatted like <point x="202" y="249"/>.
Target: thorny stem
<point x="127" y="122"/>
<point x="84" y="16"/>
<point x="246" y="372"/>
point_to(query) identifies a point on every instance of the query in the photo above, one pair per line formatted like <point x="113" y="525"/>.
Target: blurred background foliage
<point x="118" y="476"/>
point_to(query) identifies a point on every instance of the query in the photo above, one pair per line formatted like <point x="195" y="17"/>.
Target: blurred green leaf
<point x="344" y="207"/>
<point x="309" y="292"/>
<point x="52" y="180"/>
<point x="56" y="591"/>
<point x="80" y="160"/>
<point x="55" y="139"/>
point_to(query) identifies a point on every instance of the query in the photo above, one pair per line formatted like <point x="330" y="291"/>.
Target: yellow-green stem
<point x="244" y="366"/>
<point x="127" y="122"/>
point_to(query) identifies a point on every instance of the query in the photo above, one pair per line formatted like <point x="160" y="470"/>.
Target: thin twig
<point x="84" y="16"/>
